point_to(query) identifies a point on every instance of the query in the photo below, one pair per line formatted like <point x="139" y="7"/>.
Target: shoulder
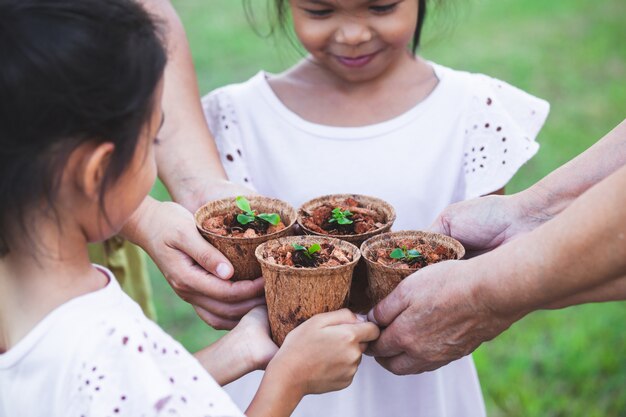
<point x="129" y="364"/>
<point x="219" y="99"/>
<point x="500" y="123"/>
<point x="489" y="94"/>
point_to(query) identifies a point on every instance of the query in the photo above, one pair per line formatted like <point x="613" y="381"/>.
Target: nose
<point x="353" y="33"/>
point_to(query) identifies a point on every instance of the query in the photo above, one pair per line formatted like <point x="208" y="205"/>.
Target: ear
<point x="95" y="164"/>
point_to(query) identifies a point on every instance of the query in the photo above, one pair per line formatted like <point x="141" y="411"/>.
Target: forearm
<point x="557" y="190"/>
<point x="133" y="229"/>
<point x="227" y="359"/>
<point x="276" y="396"/>
<point x="581" y="248"/>
<point x="611" y="291"/>
<point x="186" y="156"/>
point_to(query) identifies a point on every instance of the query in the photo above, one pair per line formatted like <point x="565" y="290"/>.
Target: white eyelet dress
<point x="466" y="139"/>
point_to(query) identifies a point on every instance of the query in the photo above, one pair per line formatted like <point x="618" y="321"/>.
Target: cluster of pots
<point x="294" y="294"/>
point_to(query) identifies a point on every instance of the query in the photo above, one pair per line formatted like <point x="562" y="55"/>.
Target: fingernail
<point x="371" y="318"/>
<point x="223" y="270"/>
<point x="361" y="318"/>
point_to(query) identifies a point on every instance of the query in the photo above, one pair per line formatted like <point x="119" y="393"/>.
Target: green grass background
<point x="571" y="52"/>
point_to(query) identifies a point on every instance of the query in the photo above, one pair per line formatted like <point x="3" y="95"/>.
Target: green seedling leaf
<point x="340" y="217"/>
<point x="314" y="248"/>
<point x="250" y="215"/>
<point x="298" y="247"/>
<point x="397" y="254"/>
<point x="243" y="203"/>
<point x="244" y="218"/>
<point x="308" y="252"/>
<point x="272" y="218"/>
<point x="413" y="253"/>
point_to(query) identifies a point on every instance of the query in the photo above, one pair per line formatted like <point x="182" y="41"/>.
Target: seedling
<point x="250" y="215"/>
<point x="340" y="216"/>
<point x="402" y="254"/>
<point x="308" y="252"/>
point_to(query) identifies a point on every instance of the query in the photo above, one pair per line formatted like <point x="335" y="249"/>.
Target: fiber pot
<point x="359" y="300"/>
<point x="295" y="294"/>
<point x="382" y="279"/>
<point x="240" y="250"/>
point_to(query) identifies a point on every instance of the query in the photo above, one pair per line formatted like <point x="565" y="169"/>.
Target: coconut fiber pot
<point x="240" y="250"/>
<point x="382" y="279"/>
<point x="359" y="300"/>
<point x="296" y="294"/>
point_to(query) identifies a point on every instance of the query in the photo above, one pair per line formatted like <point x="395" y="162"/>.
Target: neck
<point x="36" y="277"/>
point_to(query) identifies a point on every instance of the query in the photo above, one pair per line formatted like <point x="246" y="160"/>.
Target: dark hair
<point x="71" y="71"/>
<point x="280" y="12"/>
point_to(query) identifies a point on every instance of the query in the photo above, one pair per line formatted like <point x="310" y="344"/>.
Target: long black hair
<point x="71" y="71"/>
<point x="281" y="14"/>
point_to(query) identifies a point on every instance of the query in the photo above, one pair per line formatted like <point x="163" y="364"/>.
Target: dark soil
<point x="327" y="256"/>
<point x="363" y="219"/>
<point x="227" y="225"/>
<point x="431" y="253"/>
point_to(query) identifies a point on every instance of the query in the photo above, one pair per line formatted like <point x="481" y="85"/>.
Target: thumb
<point x="384" y="313"/>
<point x="440" y="225"/>
<point x="206" y="255"/>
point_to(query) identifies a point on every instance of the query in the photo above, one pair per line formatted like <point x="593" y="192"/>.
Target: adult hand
<point x="482" y="224"/>
<point x="197" y="271"/>
<point x="433" y="317"/>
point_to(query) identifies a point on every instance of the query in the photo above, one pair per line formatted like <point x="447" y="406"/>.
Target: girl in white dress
<point x="363" y="114"/>
<point x="80" y="87"/>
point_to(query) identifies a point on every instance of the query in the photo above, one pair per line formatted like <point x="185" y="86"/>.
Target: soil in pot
<point x="236" y="228"/>
<point x="343" y="216"/>
<point x="244" y="222"/>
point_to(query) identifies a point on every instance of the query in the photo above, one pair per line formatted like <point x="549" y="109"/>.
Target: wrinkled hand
<point x="323" y="353"/>
<point x="197" y="271"/>
<point x="432" y="318"/>
<point x="484" y="223"/>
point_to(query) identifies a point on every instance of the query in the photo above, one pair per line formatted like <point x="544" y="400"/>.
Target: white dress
<point x="98" y="356"/>
<point x="466" y="139"/>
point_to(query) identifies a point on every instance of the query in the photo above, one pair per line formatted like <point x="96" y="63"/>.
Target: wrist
<point x="134" y="229"/>
<point x="492" y="291"/>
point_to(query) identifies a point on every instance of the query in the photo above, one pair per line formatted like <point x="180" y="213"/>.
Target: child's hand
<point x="254" y="332"/>
<point x="322" y="354"/>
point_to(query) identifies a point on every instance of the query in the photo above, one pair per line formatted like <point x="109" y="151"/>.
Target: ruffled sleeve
<point x="500" y="131"/>
<point x="221" y="117"/>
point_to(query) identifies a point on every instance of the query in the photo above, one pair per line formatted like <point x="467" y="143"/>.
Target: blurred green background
<point x="565" y="363"/>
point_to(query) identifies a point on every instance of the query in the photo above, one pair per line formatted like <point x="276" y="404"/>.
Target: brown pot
<point x="359" y="300"/>
<point x="294" y="294"/>
<point x="239" y="250"/>
<point x="382" y="279"/>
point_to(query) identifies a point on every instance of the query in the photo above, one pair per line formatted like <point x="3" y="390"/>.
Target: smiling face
<point x="356" y="40"/>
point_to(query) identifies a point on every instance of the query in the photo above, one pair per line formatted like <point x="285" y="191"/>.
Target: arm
<point x="610" y="291"/>
<point x="248" y="347"/>
<point x="189" y="166"/>
<point x="447" y="310"/>
<point x="187" y="158"/>
<point x="485" y="223"/>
